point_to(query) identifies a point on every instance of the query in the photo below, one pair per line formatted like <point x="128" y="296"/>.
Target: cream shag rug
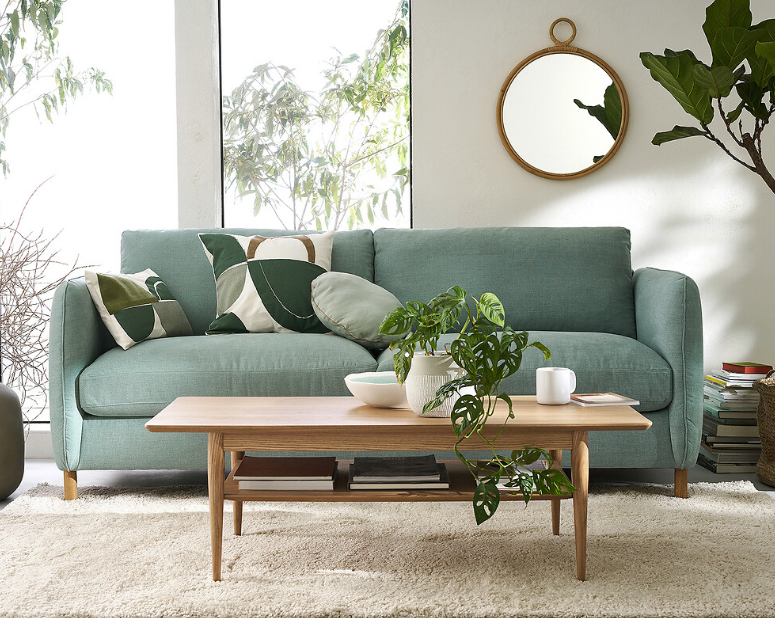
<point x="129" y="552"/>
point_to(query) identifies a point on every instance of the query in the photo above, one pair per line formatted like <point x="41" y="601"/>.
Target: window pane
<point x="111" y="159"/>
<point x="315" y="113"/>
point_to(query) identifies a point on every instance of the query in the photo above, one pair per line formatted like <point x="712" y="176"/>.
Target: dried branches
<point x="29" y="274"/>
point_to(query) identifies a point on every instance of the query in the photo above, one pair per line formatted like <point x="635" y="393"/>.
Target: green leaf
<point x="445" y="391"/>
<point x="733" y="45"/>
<point x="492" y="308"/>
<point x="466" y="412"/>
<point x="542" y="347"/>
<point x="14" y="23"/>
<point x="612" y="102"/>
<point x="766" y="50"/>
<point x="677" y="132"/>
<point x="751" y="94"/>
<point x="718" y="81"/>
<point x="507" y="400"/>
<point x="762" y="65"/>
<point x="724" y="14"/>
<point x="486" y="500"/>
<point x="735" y="113"/>
<point x="674" y="72"/>
<point x="397" y="322"/>
<point x="610" y="113"/>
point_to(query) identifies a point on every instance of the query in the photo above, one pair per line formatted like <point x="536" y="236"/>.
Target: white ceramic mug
<point x="554" y="385"/>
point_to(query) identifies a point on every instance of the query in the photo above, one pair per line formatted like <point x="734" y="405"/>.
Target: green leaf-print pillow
<point x="136" y="307"/>
<point x="262" y="285"/>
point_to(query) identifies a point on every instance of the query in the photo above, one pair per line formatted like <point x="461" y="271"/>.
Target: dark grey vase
<point x="11" y="442"/>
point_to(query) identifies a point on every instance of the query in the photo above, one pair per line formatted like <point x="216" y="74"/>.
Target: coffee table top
<point x="245" y="414"/>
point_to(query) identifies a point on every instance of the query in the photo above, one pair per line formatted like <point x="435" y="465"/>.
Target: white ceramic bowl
<point x="379" y="389"/>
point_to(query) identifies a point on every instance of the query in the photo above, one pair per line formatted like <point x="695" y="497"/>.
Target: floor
<point x="45" y="471"/>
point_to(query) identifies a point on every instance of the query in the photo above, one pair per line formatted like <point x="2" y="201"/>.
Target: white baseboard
<point x="38" y="443"/>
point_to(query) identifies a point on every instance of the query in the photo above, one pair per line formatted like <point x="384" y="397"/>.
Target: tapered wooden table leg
<point x="580" y="480"/>
<point x="557" y="463"/>
<point x="236" y="456"/>
<point x="216" y="467"/>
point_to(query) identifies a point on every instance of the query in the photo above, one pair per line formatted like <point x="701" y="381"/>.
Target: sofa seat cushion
<point x="603" y="363"/>
<point x="139" y="382"/>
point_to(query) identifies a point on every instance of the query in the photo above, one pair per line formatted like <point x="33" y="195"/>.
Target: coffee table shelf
<point x="461" y="489"/>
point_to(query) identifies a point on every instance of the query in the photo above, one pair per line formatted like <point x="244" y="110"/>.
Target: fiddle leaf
<point x="731" y="46"/>
<point x="674" y="72"/>
<point x="735" y="113"/>
<point x="610" y="113"/>
<point x="725" y="14"/>
<point x="762" y="68"/>
<point x="751" y="95"/>
<point x="676" y="133"/>
<point x="718" y="81"/>
<point x="766" y="50"/>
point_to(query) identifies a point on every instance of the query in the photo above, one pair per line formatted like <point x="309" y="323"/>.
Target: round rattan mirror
<point x="562" y="112"/>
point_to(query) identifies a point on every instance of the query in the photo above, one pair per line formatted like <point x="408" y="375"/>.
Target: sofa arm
<point x="668" y="318"/>
<point x="77" y="337"/>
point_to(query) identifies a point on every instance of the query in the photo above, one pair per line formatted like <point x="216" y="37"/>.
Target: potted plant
<point x="425" y="370"/>
<point x="743" y="63"/>
<point x="485" y="352"/>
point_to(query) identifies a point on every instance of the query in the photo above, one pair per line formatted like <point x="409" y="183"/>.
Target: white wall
<point x="690" y="208"/>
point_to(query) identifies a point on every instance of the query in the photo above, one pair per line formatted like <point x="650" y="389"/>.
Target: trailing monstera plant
<point x="424" y="324"/>
<point x="489" y="352"/>
<point x="739" y="84"/>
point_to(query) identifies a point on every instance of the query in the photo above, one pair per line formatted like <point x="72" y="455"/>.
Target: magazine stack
<point x="730" y="436"/>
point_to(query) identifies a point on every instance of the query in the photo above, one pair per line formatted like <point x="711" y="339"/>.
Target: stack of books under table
<point x="281" y="473"/>
<point x="730" y="435"/>
<point x="396" y="473"/>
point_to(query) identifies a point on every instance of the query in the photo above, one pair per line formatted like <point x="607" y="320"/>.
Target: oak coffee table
<point x="240" y="424"/>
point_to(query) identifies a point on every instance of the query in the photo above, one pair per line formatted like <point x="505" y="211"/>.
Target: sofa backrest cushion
<point x="178" y="258"/>
<point x="557" y="279"/>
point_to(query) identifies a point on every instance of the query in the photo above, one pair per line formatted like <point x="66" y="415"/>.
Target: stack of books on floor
<point x="281" y="473"/>
<point x="416" y="472"/>
<point x="730" y="435"/>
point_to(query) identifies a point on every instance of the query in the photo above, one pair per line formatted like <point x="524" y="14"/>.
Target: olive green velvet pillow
<point x="136" y="307"/>
<point x="353" y="308"/>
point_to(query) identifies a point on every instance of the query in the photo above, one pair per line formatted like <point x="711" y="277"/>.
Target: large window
<point x="107" y="162"/>
<point x="315" y="113"/>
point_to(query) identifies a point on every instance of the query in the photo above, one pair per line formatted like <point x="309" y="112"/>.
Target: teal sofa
<point x="637" y="333"/>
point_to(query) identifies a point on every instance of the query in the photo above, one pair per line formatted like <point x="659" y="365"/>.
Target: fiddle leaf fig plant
<point x="739" y="83"/>
<point x="609" y="114"/>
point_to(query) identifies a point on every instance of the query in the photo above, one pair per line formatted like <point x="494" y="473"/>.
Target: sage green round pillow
<point x="353" y="308"/>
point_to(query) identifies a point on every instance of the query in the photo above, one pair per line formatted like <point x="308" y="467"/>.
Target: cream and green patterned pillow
<point x="262" y="285"/>
<point x="136" y="307"/>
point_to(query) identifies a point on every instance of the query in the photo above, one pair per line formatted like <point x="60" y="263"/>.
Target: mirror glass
<point x="562" y="113"/>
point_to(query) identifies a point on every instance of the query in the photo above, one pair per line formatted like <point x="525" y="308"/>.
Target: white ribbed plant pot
<point x="425" y="377"/>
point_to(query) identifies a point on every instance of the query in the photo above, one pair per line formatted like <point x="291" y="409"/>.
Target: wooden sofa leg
<point x="71" y="485"/>
<point x="681" y="483"/>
